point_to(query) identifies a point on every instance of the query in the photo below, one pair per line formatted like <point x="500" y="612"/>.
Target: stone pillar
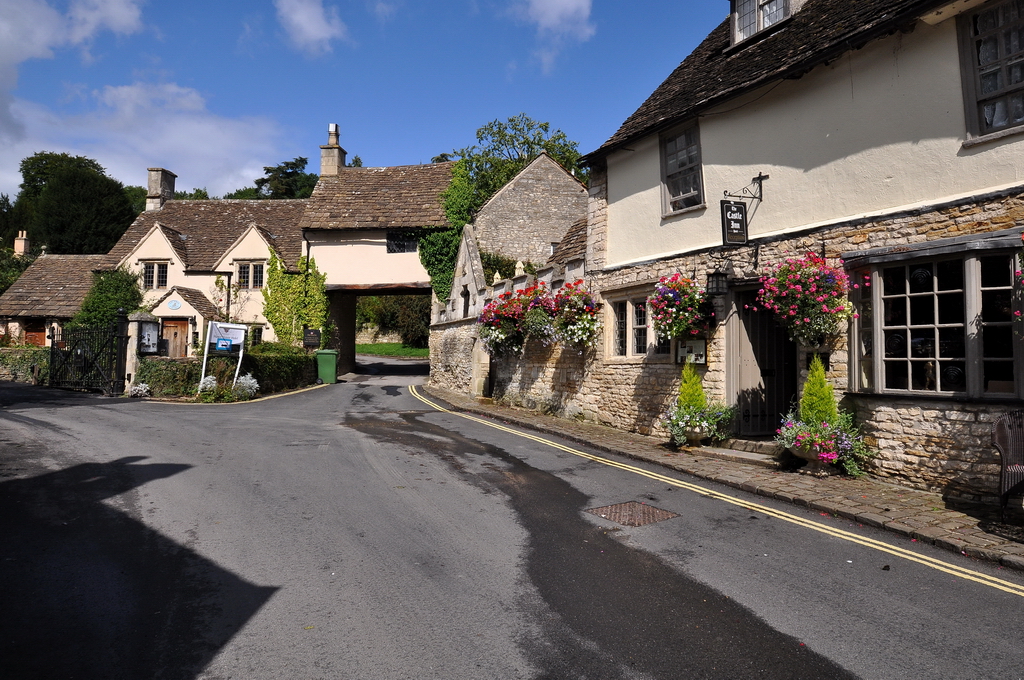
<point x="343" y="334"/>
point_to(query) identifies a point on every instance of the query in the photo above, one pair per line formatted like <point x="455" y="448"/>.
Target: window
<point x="250" y="275"/>
<point x="401" y="242"/>
<point x="752" y="16"/>
<point x="992" y="55"/>
<point x="682" y="172"/>
<point x="154" y="275"/>
<point x="944" y="326"/>
<point x="632" y="334"/>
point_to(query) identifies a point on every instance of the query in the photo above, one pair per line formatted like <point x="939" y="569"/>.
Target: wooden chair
<point x="1008" y="437"/>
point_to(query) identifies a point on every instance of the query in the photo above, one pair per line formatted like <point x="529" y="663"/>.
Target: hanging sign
<point x="734" y="222"/>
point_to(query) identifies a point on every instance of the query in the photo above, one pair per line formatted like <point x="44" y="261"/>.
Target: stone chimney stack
<point x="161" y="188"/>
<point x="332" y="156"/>
<point x="21" y="244"/>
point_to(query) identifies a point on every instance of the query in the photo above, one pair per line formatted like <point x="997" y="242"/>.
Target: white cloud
<point x="32" y="29"/>
<point x="384" y="11"/>
<point x="561" y="18"/>
<point x="310" y="26"/>
<point x="134" y="127"/>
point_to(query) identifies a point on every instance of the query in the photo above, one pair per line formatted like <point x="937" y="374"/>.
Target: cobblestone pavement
<point x="927" y="517"/>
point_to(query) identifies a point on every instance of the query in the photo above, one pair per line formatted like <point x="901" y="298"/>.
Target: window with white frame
<point x="752" y="16"/>
<point x="154" y="275"/>
<point x="992" y="56"/>
<point x="943" y="325"/>
<point x="631" y="332"/>
<point x="680" y="156"/>
<point x="250" y="275"/>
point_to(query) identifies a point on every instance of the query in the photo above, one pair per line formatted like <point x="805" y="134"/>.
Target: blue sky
<point x="216" y="90"/>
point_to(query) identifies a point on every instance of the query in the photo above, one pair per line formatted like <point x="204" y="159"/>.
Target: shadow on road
<point x="387" y="366"/>
<point x="91" y="592"/>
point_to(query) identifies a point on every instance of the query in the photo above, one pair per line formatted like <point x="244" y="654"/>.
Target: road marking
<point x="880" y="546"/>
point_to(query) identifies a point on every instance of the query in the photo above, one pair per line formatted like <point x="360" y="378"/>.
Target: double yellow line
<point x="880" y="546"/>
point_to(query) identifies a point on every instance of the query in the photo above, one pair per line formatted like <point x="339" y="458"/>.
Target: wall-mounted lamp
<point x="718" y="283"/>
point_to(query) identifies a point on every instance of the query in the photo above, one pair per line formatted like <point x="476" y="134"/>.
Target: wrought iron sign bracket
<point x="754" y="190"/>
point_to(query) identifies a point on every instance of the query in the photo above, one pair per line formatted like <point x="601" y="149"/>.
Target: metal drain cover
<point x="632" y="514"/>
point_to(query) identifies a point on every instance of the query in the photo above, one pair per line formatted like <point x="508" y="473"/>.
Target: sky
<point x="216" y="90"/>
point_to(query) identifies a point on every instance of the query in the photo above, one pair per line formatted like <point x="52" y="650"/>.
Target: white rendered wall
<point x="360" y="257"/>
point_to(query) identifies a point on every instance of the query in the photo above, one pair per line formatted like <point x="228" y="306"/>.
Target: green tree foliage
<point x="194" y="195"/>
<point x="294" y="301"/>
<point x="406" y="315"/>
<point x="110" y="291"/>
<point x="245" y="193"/>
<point x="505" y="148"/>
<point x="137" y="195"/>
<point x="691" y="391"/>
<point x="818" y="403"/>
<point x="81" y="211"/>
<point x="503" y="266"/>
<point x="287" y="180"/>
<point x="11" y="267"/>
<point x="40" y="169"/>
<point x="438" y="250"/>
<point x="356" y="162"/>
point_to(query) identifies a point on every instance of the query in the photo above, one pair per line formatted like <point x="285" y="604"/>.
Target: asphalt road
<point x="354" y="531"/>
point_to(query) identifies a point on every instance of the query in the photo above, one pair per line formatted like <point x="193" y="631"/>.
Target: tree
<point x="406" y="315"/>
<point x="357" y="162"/>
<point x="505" y="148"/>
<point x="245" y="193"/>
<point x="194" y="195"/>
<point x="81" y="211"/>
<point x="439" y="249"/>
<point x="39" y="169"/>
<point x="294" y="301"/>
<point x="137" y="195"/>
<point x="110" y="291"/>
<point x="287" y="180"/>
<point x="11" y="267"/>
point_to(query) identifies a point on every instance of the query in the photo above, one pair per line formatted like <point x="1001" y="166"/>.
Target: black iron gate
<point x="90" y="358"/>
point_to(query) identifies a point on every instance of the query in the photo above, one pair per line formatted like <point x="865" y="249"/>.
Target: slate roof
<point x="573" y="245"/>
<point x="817" y="33"/>
<point x="195" y="298"/>
<point x="52" y="286"/>
<point x="201" y="231"/>
<point x="400" y="197"/>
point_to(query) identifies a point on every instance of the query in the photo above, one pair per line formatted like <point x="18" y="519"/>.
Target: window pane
<point x="951" y="343"/>
<point x="257" y="276"/>
<point x="161" y="276"/>
<point x="996" y="271"/>
<point x="243" y="276"/>
<point x="895" y="343"/>
<point x="922" y="375"/>
<point x="951" y="308"/>
<point x="148" y="276"/>
<point x="996" y="305"/>
<point x="746" y="18"/>
<point x="922" y="310"/>
<point x="895" y="312"/>
<point x="950" y="274"/>
<point x="997" y="342"/>
<point x="896" y="375"/>
<point x="921" y="278"/>
<point x="620" y="328"/>
<point x="922" y="343"/>
<point x="893" y="281"/>
<point x="999" y="377"/>
<point x="952" y="377"/>
<point x="640" y="327"/>
<point x="773" y="12"/>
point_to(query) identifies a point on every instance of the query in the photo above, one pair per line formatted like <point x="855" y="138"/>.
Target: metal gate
<point x="90" y="358"/>
<point x="766" y="370"/>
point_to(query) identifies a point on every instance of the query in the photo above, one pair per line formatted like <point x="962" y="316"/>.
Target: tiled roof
<point x="52" y="286"/>
<point x="573" y="245"/>
<point x="195" y="298"/>
<point x="201" y="231"/>
<point x="380" y="198"/>
<point x="817" y="33"/>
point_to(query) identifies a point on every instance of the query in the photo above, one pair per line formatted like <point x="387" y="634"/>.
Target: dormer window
<point x="752" y="16"/>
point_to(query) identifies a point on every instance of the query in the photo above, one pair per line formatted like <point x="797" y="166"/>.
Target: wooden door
<point x="766" y="370"/>
<point x="34" y="332"/>
<point x="176" y="334"/>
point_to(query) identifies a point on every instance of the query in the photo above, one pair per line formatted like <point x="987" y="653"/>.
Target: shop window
<point x="942" y="326"/>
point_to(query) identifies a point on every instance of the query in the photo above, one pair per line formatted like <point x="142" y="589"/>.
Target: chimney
<point x="332" y="156"/>
<point x="21" y="244"/>
<point x="161" y="188"/>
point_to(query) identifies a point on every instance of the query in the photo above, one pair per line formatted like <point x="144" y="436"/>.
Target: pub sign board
<point x="734" y="222"/>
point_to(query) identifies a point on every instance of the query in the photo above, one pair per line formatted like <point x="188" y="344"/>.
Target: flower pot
<point x="815" y="466"/>
<point x="694" y="436"/>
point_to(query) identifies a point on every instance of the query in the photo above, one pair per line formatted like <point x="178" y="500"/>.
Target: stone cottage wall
<point x="924" y="443"/>
<point x="451" y="355"/>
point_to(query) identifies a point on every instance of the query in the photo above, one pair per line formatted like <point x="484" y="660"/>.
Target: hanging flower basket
<point x="576" y="315"/>
<point x="506" y="323"/>
<point x="809" y="297"/>
<point x="678" y="307"/>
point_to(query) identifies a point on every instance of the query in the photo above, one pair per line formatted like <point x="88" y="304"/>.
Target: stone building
<point x="883" y="132"/>
<point x="525" y="221"/>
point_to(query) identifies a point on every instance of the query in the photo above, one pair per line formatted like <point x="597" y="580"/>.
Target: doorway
<point x="176" y="334"/>
<point x="766" y="370"/>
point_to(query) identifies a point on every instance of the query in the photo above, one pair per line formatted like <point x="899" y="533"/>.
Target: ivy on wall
<point x="291" y="301"/>
<point x="439" y="249"/>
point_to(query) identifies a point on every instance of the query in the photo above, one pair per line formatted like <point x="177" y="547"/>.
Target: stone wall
<point x="451" y="355"/>
<point x="935" y="445"/>
<point x="531" y="212"/>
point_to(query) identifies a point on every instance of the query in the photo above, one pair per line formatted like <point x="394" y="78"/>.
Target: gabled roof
<point x="573" y="246"/>
<point x="817" y="33"/>
<point x="202" y="231"/>
<point x="199" y="302"/>
<point x="398" y="197"/>
<point x="52" y="286"/>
